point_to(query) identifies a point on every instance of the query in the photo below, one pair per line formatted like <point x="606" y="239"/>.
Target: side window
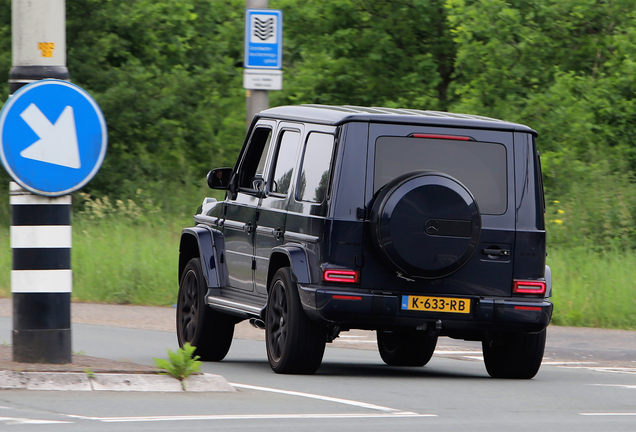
<point x="316" y="168"/>
<point x="251" y="172"/>
<point x="285" y="161"/>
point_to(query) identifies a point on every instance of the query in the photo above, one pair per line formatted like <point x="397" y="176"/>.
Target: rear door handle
<point x="277" y="233"/>
<point x="248" y="228"/>
<point x="497" y="252"/>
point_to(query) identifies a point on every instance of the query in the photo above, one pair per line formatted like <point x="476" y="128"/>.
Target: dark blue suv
<point x="415" y="224"/>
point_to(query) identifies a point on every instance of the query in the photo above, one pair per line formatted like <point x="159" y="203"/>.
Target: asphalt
<point x="601" y="347"/>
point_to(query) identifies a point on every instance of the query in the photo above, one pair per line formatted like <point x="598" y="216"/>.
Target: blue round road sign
<point x="53" y="137"/>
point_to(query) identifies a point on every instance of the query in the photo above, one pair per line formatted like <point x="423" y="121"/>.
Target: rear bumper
<point x="349" y="308"/>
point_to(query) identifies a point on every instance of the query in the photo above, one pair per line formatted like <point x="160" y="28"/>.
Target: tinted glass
<point x="251" y="173"/>
<point x="316" y="166"/>
<point x="285" y="161"/>
<point x="480" y="166"/>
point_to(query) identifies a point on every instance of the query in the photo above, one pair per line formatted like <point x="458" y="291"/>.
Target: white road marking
<point x="455" y="352"/>
<point x="401" y="414"/>
<point x="603" y="369"/>
<point x="319" y="397"/>
<point x="356" y="341"/>
<point x="386" y="411"/>
<point x="616" y="385"/>
<point x="18" y="420"/>
<point x="608" y="414"/>
<point x="558" y="363"/>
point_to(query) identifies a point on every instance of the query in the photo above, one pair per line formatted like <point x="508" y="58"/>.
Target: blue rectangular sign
<point x="263" y="39"/>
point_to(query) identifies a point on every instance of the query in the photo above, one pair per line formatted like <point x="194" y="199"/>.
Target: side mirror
<point x="219" y="178"/>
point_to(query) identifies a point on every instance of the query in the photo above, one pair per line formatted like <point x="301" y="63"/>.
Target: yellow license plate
<point x="436" y="304"/>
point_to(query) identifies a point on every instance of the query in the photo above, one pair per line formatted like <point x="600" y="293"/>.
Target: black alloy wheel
<point x="209" y="331"/>
<point x="295" y="344"/>
<point x="277" y="319"/>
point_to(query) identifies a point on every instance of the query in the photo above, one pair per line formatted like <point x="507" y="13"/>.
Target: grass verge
<point x="117" y="261"/>
<point x="593" y="289"/>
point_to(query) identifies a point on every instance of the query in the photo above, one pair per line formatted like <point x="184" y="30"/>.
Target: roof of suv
<point x="337" y="115"/>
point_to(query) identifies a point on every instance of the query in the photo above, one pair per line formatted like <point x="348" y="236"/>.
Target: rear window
<point x="479" y="166"/>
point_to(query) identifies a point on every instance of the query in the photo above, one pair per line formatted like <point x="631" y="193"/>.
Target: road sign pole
<point x="41" y="277"/>
<point x="39" y="42"/>
<point x="256" y="100"/>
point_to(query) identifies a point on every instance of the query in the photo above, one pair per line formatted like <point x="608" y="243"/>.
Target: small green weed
<point x="90" y="373"/>
<point x="180" y="364"/>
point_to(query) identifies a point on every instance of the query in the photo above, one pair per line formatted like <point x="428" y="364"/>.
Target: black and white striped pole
<point x="41" y="277"/>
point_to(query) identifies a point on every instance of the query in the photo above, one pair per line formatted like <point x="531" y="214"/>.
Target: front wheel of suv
<point x="295" y="344"/>
<point x="406" y="348"/>
<point x="514" y="355"/>
<point x="209" y="331"/>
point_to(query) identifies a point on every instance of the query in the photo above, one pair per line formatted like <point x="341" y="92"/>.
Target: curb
<point x="75" y="381"/>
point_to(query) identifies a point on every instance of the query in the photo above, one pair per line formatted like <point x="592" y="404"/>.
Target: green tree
<point x="166" y="75"/>
<point x="565" y="67"/>
<point x="358" y="52"/>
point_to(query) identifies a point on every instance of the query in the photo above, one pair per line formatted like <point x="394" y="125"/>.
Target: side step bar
<point x="241" y="310"/>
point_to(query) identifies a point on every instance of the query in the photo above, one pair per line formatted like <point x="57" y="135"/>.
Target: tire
<point x="514" y="355"/>
<point x="406" y="348"/>
<point x="295" y="344"/>
<point x="425" y="224"/>
<point x="209" y="331"/>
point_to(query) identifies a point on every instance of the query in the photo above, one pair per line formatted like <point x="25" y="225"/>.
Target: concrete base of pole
<point x="42" y="346"/>
<point x="42" y="328"/>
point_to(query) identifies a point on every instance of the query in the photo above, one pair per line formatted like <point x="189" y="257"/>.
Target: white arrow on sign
<point x="58" y="142"/>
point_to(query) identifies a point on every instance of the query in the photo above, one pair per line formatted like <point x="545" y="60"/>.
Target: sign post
<point x="53" y="140"/>
<point x="38" y="42"/>
<point x="263" y="54"/>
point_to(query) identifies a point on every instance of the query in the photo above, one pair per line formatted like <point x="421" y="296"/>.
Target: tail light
<point x="528" y="287"/>
<point x="346" y="276"/>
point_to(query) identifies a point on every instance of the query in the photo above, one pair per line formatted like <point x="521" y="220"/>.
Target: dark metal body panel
<point x="481" y="275"/>
<point x="376" y="310"/>
<point x="209" y="241"/>
<point x="239" y="230"/>
<point x="530" y="252"/>
<point x="272" y="215"/>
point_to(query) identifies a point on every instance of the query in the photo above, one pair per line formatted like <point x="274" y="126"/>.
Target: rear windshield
<point x="479" y="166"/>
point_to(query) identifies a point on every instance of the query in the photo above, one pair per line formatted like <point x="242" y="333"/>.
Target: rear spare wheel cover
<point x="425" y="224"/>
